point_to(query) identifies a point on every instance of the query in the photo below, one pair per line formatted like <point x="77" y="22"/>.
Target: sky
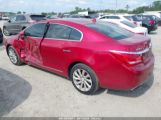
<point x="38" y="6"/>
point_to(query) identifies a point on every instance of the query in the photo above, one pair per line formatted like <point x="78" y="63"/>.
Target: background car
<point x="118" y="17"/>
<point x="130" y="17"/>
<point x="4" y="17"/>
<point x="20" y="22"/>
<point x="79" y="16"/>
<point x="147" y="21"/>
<point x="88" y="53"/>
<point x="131" y="27"/>
<point x="1" y="36"/>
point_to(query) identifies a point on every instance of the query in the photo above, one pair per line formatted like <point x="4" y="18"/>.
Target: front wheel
<point x="6" y="32"/>
<point x="14" y="57"/>
<point x="84" y="79"/>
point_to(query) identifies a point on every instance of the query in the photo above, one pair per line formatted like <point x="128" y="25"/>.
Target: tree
<point x="19" y="12"/>
<point x="43" y="13"/>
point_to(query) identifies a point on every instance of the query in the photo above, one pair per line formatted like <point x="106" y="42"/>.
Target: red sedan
<point x="92" y="54"/>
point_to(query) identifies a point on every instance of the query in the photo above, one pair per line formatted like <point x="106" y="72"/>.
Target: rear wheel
<point x="84" y="79"/>
<point x="14" y="57"/>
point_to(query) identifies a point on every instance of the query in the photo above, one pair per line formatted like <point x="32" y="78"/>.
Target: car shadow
<point x="136" y="92"/>
<point x="14" y="90"/>
<point x="153" y="33"/>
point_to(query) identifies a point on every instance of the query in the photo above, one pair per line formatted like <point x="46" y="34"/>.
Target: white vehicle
<point x="5" y="18"/>
<point x="130" y="27"/>
<point x="119" y="17"/>
<point x="156" y="13"/>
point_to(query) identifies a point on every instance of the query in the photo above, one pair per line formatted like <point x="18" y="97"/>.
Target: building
<point x="157" y="13"/>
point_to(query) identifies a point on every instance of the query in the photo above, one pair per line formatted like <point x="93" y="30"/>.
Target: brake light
<point x="135" y="23"/>
<point x="141" y="33"/>
<point x="151" y="22"/>
<point x="94" y="20"/>
<point x="128" y="59"/>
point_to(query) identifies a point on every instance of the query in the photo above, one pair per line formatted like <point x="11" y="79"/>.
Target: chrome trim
<point x="57" y="38"/>
<point x="125" y="52"/>
<point x="68" y="39"/>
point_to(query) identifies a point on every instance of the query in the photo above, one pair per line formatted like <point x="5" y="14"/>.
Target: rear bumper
<point x="152" y="28"/>
<point x="126" y="78"/>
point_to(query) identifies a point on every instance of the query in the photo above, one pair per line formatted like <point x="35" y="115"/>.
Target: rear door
<point x="33" y="39"/>
<point x="52" y="47"/>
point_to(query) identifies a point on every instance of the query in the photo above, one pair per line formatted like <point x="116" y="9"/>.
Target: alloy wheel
<point x="82" y="80"/>
<point x="12" y="56"/>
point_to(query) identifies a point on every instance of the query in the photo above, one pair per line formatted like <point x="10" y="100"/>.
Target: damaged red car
<point x="91" y="54"/>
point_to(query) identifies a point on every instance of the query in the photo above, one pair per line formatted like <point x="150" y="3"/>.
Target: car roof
<point x="81" y="21"/>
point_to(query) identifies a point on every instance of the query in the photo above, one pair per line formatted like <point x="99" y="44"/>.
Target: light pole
<point x="116" y="7"/>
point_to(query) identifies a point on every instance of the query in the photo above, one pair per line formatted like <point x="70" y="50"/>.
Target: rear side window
<point x="114" y="17"/>
<point x="129" y="24"/>
<point x="36" y="30"/>
<point x="110" y="17"/>
<point x="110" y="30"/>
<point x="58" y="31"/>
<point x="75" y="35"/>
<point x="38" y="17"/>
<point x="128" y="17"/>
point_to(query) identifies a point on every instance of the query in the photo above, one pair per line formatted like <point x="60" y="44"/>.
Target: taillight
<point x="94" y="20"/>
<point x="141" y="33"/>
<point x="128" y="59"/>
<point x="135" y="23"/>
<point x="151" y="22"/>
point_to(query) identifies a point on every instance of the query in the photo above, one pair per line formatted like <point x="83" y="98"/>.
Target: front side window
<point x="20" y="18"/>
<point x="110" y="30"/>
<point x="58" y="31"/>
<point x="36" y="30"/>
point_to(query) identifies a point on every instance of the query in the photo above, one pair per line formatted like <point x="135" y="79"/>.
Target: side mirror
<point x="22" y="36"/>
<point x="9" y="21"/>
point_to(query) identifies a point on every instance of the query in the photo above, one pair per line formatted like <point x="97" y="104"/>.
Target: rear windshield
<point x="136" y="18"/>
<point x="129" y="24"/>
<point x="110" y="30"/>
<point x="128" y="17"/>
<point x="38" y="17"/>
<point x="148" y="17"/>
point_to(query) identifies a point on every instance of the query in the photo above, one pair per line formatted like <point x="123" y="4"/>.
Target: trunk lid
<point x="134" y="50"/>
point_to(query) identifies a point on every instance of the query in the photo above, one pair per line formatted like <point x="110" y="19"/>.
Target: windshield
<point x="110" y="30"/>
<point x="38" y="17"/>
<point x="129" y="24"/>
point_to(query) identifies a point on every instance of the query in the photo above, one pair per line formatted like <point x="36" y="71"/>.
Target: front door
<point x="33" y="39"/>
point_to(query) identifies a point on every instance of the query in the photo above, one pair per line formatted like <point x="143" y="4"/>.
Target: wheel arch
<point x="74" y="63"/>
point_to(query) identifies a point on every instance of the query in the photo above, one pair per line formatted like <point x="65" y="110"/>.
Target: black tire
<point x="17" y="58"/>
<point x="94" y="84"/>
<point x="6" y="32"/>
<point x="1" y="36"/>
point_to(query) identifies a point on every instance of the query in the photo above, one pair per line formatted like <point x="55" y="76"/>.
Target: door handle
<point x="67" y="51"/>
